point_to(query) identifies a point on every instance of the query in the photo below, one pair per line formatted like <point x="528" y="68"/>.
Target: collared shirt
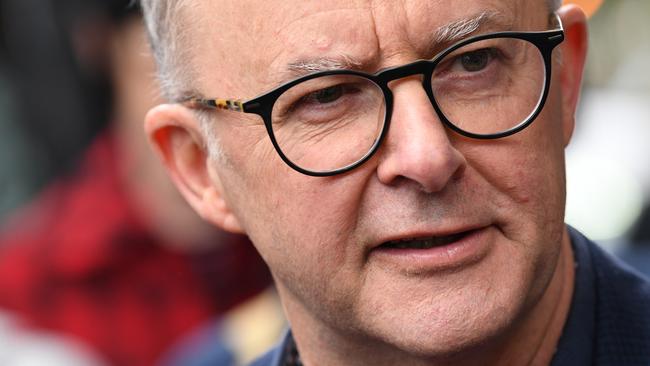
<point x="609" y="320"/>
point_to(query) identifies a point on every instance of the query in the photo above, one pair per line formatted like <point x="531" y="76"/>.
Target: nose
<point x="417" y="147"/>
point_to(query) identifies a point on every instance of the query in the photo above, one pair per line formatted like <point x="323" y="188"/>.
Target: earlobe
<point x="175" y="135"/>
<point x="217" y="211"/>
<point x="572" y="61"/>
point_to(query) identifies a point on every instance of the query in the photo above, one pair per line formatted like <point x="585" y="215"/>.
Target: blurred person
<point x="400" y="167"/>
<point x="110" y="254"/>
<point x="54" y="114"/>
<point x="23" y="346"/>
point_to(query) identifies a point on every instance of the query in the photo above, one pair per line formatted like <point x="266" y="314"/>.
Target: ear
<point x="574" y="53"/>
<point x="174" y="133"/>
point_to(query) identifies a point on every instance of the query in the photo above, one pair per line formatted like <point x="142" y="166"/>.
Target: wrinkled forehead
<point x="242" y="48"/>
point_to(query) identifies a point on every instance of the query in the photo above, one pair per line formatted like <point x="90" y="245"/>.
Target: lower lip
<point x="470" y="249"/>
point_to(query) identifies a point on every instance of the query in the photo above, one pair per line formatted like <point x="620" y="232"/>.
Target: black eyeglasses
<point x="485" y="87"/>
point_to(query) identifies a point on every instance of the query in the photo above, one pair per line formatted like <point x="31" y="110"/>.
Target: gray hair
<point x="169" y="40"/>
<point x="167" y="37"/>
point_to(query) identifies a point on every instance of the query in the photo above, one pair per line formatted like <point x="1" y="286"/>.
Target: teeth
<point x="426" y="243"/>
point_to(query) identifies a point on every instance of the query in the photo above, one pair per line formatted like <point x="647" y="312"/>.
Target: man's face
<point x="494" y="208"/>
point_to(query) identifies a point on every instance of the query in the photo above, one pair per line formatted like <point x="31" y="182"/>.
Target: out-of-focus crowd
<point x="101" y="260"/>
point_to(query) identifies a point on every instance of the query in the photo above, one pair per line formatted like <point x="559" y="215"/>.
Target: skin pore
<point x="350" y="303"/>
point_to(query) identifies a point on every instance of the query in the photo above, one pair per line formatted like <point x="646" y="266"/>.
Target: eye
<point x="324" y="96"/>
<point x="324" y="99"/>
<point x="476" y="60"/>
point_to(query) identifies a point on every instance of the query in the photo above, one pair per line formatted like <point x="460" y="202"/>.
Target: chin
<point x="446" y="316"/>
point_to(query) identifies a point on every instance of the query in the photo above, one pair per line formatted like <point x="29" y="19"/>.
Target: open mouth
<point x="426" y="242"/>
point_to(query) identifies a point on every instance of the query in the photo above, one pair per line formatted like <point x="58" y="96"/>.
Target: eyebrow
<point x="302" y="67"/>
<point x="444" y="35"/>
<point x="459" y="29"/>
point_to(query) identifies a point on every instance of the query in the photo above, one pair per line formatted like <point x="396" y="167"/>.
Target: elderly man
<point x="400" y="167"/>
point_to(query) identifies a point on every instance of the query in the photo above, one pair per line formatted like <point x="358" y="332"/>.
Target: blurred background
<point x="608" y="161"/>
<point x="94" y="239"/>
<point x="101" y="260"/>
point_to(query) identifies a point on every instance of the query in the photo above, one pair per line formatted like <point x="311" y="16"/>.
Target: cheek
<point x="301" y="225"/>
<point x="541" y="168"/>
<point x="523" y="176"/>
<point x="525" y="172"/>
<point x="303" y="228"/>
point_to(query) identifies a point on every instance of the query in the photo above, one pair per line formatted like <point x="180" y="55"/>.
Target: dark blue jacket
<point x="609" y="320"/>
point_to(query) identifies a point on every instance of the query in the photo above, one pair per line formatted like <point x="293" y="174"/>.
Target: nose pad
<point x="417" y="147"/>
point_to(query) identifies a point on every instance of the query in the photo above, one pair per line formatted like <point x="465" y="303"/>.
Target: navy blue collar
<point x="576" y="344"/>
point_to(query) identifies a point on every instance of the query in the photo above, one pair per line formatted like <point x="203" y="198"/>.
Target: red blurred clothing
<point x="79" y="260"/>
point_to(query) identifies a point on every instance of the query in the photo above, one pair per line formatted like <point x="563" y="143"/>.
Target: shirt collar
<point x="576" y="344"/>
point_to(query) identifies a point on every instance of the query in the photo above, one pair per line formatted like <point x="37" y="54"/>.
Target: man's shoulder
<point x="611" y="274"/>
<point x="622" y="298"/>
<point x="618" y="284"/>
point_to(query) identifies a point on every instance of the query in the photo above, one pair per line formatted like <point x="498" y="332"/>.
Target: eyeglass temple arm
<point x="227" y="104"/>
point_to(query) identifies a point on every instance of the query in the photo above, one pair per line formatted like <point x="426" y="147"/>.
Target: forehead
<point x="251" y="46"/>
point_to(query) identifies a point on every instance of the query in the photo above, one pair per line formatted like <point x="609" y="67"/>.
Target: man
<point x="411" y="212"/>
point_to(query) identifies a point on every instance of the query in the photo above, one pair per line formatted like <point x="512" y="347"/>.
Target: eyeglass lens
<point x="490" y="86"/>
<point x="329" y="122"/>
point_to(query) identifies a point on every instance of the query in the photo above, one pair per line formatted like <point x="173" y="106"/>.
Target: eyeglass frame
<point x="262" y="105"/>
